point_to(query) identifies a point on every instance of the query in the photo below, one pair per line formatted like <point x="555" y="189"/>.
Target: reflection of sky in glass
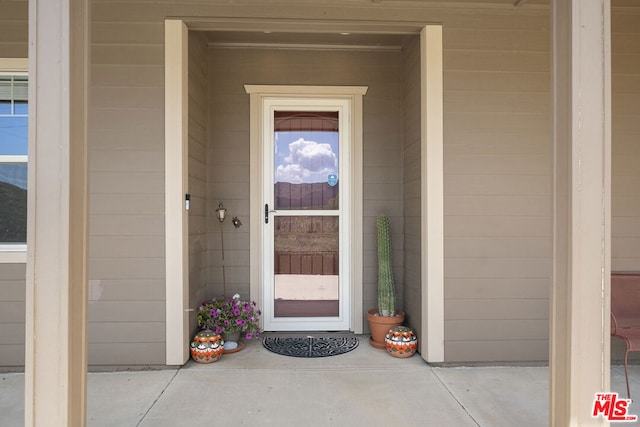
<point x="305" y="156"/>
<point x="14" y="173"/>
<point x="13" y="135"/>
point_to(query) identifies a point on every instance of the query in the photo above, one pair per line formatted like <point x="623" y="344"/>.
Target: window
<point x="14" y="110"/>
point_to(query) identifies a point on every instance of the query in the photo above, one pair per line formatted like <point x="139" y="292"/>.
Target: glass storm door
<point x="304" y="219"/>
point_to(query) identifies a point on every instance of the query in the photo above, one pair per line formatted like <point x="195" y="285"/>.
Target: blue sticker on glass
<point x="332" y="179"/>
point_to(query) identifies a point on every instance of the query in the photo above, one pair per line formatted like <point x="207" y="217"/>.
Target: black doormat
<point x="310" y="346"/>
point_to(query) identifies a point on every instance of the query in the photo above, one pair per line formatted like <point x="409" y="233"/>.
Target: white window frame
<point x="13" y="252"/>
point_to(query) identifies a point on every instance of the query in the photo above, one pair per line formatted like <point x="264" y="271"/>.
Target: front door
<point x="305" y="226"/>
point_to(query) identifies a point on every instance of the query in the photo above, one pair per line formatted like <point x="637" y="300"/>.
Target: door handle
<point x="267" y="212"/>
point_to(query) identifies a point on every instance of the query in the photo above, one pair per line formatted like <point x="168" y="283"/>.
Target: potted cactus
<point x="385" y="317"/>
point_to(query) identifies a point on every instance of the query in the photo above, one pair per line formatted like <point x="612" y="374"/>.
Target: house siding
<point x="12" y="319"/>
<point x="412" y="191"/>
<point x="126" y="204"/>
<point x="625" y="105"/>
<point x="497" y="165"/>
<point x="198" y="220"/>
<point x="497" y="187"/>
<point x="625" y="155"/>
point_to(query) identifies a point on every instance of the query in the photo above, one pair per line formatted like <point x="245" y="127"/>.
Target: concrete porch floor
<point x="362" y="388"/>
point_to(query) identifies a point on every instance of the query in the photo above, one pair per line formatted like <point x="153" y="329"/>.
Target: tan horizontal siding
<point x="197" y="188"/>
<point x="126" y="332"/>
<point x="126" y="311"/>
<point x="12" y="354"/>
<point x="134" y="289"/>
<point x="497" y="330"/>
<point x="497" y="183"/>
<point x="127" y="353"/>
<point x="129" y="268"/>
<point x="412" y="189"/>
<point x="497" y="287"/>
<point x="509" y="349"/>
<point x="496" y="309"/>
<point x="127" y="247"/>
<point x="127" y="225"/>
<point x="625" y="86"/>
<point x="625" y="105"/>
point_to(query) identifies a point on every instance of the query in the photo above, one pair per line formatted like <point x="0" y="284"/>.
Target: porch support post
<point x="432" y="193"/>
<point x="176" y="75"/>
<point x="579" y="341"/>
<point x="56" y="294"/>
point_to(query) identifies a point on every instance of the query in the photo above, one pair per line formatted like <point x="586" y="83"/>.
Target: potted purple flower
<point x="231" y="317"/>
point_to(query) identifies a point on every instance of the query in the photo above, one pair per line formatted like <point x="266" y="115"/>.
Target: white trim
<point x="13" y="253"/>
<point x="176" y="180"/>
<point x="432" y="197"/>
<point x="353" y="94"/>
<point x="306" y="47"/>
<point x="14" y="66"/>
<point x="14" y="159"/>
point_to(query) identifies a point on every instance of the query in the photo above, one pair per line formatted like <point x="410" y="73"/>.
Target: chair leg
<point x="626" y="372"/>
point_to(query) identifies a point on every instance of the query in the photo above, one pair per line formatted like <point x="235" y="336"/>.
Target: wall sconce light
<point x="220" y="212"/>
<point x="236" y="222"/>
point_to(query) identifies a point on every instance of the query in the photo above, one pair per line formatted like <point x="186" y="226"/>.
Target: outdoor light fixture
<point x="236" y="222"/>
<point x="220" y="212"/>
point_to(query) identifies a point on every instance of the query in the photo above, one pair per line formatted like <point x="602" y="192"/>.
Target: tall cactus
<point x="386" y="283"/>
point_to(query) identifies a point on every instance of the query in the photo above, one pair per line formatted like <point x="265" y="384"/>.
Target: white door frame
<point x="298" y="103"/>
<point x="261" y="94"/>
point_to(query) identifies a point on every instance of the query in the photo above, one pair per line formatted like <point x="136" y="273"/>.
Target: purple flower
<point x="248" y="336"/>
<point x="226" y="322"/>
<point x="240" y="322"/>
<point x="236" y="312"/>
<point x="219" y="330"/>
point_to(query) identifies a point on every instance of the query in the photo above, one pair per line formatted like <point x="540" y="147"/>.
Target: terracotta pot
<point x="380" y="325"/>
